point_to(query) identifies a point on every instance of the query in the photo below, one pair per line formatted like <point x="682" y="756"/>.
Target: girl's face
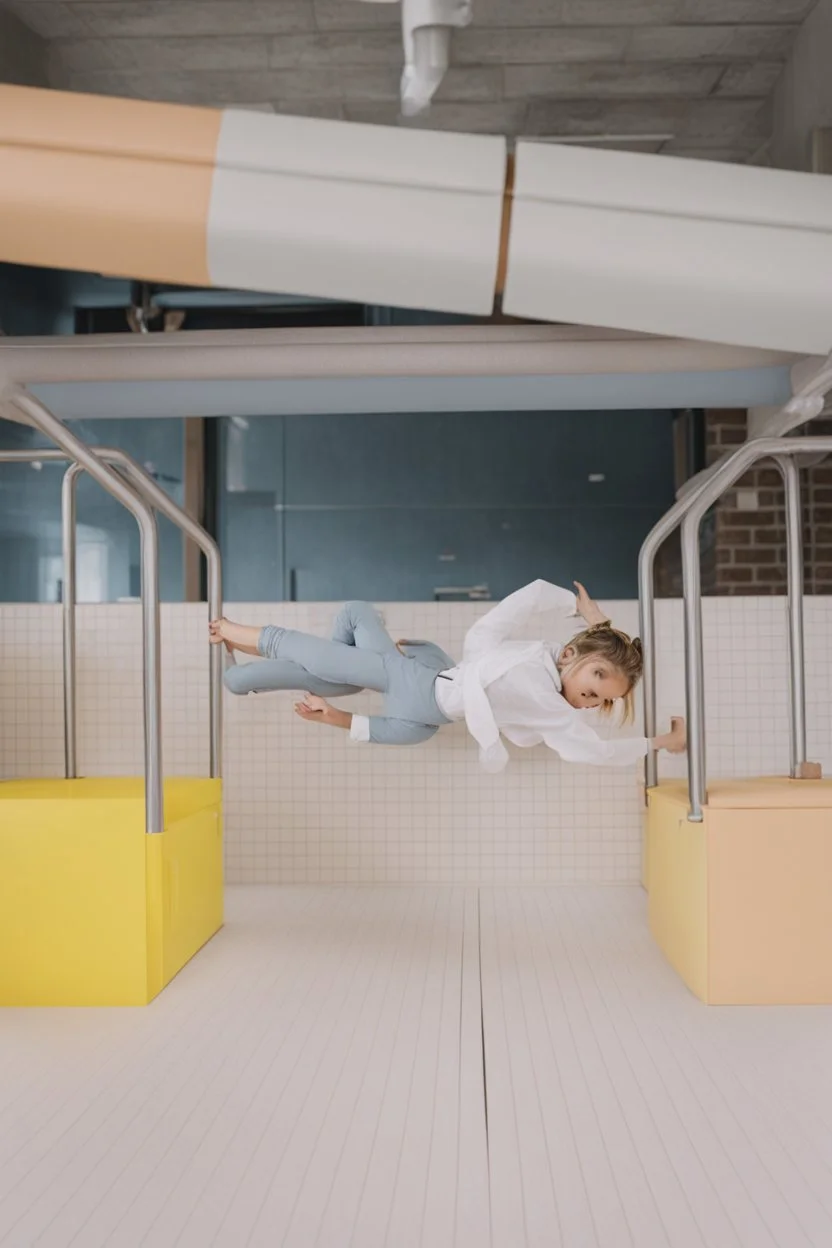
<point x="590" y="683"/>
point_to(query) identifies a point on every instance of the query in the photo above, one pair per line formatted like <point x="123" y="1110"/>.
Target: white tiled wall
<point x="304" y="804"/>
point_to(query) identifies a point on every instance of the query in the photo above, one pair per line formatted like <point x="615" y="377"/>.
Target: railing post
<point x="154" y="494"/>
<point x="694" y="668"/>
<point x="69" y="599"/>
<point x="151" y="646"/>
<point x="647" y="630"/>
<point x="647" y="624"/>
<point x="794" y="574"/>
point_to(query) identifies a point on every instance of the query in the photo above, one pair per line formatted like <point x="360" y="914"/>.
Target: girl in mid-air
<point x="530" y="692"/>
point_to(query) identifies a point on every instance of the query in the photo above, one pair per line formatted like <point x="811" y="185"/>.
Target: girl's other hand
<point x="312" y="707"/>
<point x="677" y="737"/>
<point x="588" y="609"/>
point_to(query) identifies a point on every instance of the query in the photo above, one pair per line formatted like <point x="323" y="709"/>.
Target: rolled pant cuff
<point x="268" y="643"/>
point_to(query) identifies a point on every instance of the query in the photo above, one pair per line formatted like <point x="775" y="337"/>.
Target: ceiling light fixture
<point x="426" y="30"/>
<point x="426" y="33"/>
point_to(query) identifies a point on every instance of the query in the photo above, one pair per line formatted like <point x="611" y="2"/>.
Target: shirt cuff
<point x="360" y="728"/>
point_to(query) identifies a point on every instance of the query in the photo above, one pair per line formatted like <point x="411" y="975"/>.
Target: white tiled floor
<point x="314" y="1079"/>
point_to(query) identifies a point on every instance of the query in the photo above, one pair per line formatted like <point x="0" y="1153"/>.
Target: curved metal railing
<point x="689" y="512"/>
<point x="647" y="598"/>
<point x="804" y="405"/>
<point x="141" y="497"/>
<point x="158" y="499"/>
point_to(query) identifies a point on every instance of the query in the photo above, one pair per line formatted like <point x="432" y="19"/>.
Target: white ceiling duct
<point x="700" y="250"/>
<point x="375" y="214"/>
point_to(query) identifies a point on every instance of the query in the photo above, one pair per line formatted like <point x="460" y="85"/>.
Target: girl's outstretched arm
<point x="675" y="741"/>
<point x="513" y="613"/>
<point x="378" y="729"/>
<point x="588" y="608"/>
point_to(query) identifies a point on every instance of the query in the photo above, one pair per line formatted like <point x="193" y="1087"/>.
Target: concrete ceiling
<point x="701" y="71"/>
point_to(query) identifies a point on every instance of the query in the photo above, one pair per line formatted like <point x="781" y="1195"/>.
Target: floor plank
<point x="419" y="1067"/>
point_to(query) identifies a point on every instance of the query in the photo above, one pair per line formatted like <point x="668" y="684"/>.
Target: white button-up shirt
<point x="513" y="689"/>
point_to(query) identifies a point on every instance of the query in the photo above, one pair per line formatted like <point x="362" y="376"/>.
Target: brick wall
<point x="744" y="548"/>
<point x="748" y="542"/>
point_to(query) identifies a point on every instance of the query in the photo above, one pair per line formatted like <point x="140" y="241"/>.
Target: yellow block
<point x="92" y="910"/>
<point x="678" y="891"/>
<point x="740" y="903"/>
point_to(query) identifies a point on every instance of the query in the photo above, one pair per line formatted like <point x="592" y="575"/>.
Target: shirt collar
<point x="553" y="651"/>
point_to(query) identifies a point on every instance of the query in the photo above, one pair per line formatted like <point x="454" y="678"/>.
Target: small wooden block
<point x="809" y="771"/>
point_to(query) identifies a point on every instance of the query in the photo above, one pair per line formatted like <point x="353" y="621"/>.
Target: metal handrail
<point x="729" y="473"/>
<point x="162" y="502"/>
<point x="690" y="511"/>
<point x="145" y="516"/>
<point x="647" y="601"/>
<point x="806" y="404"/>
<point x="157" y="497"/>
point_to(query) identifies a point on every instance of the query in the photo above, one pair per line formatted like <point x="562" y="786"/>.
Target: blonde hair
<point x="623" y="653"/>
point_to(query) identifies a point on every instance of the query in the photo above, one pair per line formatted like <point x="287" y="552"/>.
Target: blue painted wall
<point x="34" y="302"/>
<point x="108" y="539"/>
<point x="423" y="486"/>
<point x="396" y="507"/>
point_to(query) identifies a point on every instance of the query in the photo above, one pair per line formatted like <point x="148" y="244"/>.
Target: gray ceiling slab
<point x="543" y="68"/>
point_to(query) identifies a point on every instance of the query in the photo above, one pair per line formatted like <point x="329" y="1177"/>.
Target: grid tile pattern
<point x="622" y="1112"/>
<point x="318" y="1067"/>
<point x="304" y="804"/>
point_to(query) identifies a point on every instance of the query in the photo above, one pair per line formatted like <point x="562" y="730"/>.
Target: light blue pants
<point x="361" y="655"/>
